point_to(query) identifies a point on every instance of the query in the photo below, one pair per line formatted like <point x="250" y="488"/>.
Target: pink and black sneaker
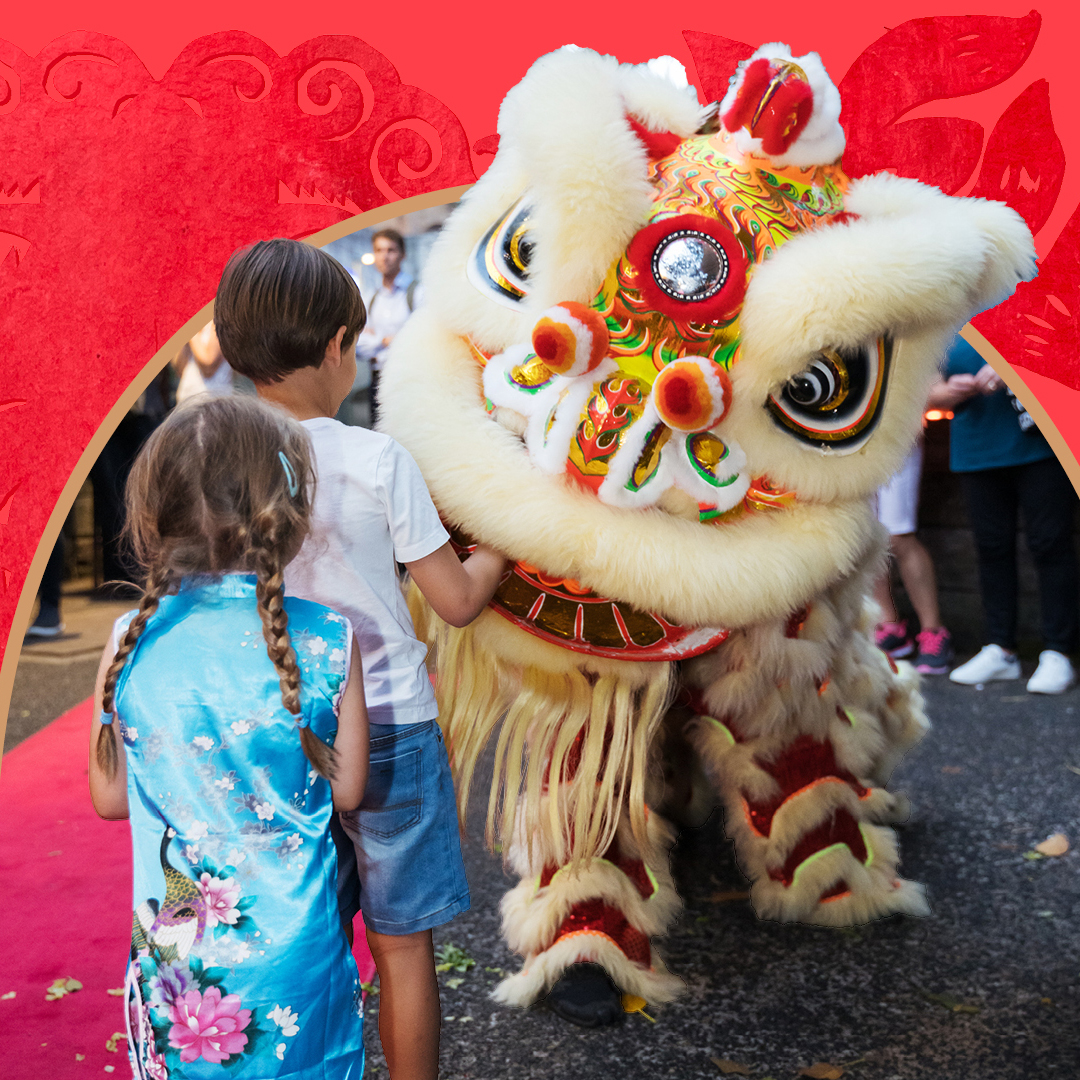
<point x="936" y="654"/>
<point x="893" y="638"/>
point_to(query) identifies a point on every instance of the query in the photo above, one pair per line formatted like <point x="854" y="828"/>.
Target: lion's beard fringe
<point x="585" y="733"/>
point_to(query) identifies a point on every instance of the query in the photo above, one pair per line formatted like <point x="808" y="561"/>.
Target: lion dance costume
<point x="667" y="355"/>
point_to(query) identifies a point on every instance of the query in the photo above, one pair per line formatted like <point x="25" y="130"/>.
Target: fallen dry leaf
<point x="114" y="1040"/>
<point x="729" y="1067"/>
<point x="1057" y="844"/>
<point x="952" y="770"/>
<point x="60" y="987"/>
<point x="822" y="1070"/>
<point x="947" y="1001"/>
<point x="631" y="1003"/>
<point x="724" y="897"/>
<point x="1072" y="768"/>
<point x="116" y="991"/>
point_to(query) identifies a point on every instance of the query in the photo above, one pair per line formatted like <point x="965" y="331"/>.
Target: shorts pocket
<point x="392" y="799"/>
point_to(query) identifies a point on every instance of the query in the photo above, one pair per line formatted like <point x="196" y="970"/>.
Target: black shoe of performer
<point x="585" y="996"/>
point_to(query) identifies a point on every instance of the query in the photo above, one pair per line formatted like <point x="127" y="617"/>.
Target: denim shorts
<point x="399" y="856"/>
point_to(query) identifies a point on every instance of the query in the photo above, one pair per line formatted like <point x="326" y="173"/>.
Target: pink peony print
<point x="220" y="895"/>
<point x="208" y="1026"/>
<point x="155" y="1064"/>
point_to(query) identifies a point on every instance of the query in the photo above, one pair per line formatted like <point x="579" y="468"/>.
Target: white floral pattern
<point x="315" y="646"/>
<point x="285" y="1019"/>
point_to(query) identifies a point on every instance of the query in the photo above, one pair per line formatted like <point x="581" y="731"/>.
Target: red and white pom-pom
<point x="784" y="108"/>
<point x="692" y="394"/>
<point x="571" y="339"/>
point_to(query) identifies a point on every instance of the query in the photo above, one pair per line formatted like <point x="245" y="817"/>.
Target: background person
<point x="897" y="510"/>
<point x="1007" y="467"/>
<point x="389" y="308"/>
<point x="201" y="367"/>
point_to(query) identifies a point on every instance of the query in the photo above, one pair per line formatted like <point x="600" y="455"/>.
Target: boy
<point x="287" y="317"/>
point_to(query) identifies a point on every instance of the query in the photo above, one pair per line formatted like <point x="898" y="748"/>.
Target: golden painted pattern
<point x="706" y="175"/>
<point x="562" y="611"/>
<point x="613" y="406"/>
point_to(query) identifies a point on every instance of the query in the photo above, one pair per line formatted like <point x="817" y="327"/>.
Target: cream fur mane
<point x="914" y="264"/>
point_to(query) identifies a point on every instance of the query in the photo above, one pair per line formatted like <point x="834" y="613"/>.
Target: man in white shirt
<point x="389" y="309"/>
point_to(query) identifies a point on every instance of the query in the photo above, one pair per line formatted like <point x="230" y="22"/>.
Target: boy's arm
<point x="109" y="796"/>
<point x="458" y="591"/>
<point x="351" y="742"/>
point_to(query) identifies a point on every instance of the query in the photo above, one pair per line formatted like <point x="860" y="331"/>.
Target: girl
<point x="232" y="723"/>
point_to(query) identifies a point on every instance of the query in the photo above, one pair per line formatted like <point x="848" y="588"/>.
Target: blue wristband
<point x="106" y="717"/>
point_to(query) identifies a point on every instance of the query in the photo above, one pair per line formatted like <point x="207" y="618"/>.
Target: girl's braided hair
<point x="208" y="494"/>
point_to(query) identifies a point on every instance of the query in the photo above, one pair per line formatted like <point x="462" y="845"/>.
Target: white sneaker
<point x="991" y="662"/>
<point x="1054" y="675"/>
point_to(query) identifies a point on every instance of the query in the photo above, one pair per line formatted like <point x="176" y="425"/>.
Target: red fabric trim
<point x="841" y="828"/>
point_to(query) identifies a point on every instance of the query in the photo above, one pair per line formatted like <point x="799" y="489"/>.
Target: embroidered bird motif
<point x="173" y="927"/>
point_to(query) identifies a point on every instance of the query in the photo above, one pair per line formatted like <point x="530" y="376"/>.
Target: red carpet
<point x="66" y="912"/>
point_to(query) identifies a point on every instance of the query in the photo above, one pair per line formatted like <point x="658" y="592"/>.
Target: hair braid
<point x="158" y="583"/>
<point x="270" y="594"/>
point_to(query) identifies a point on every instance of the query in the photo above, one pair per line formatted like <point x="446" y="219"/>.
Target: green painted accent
<point x="709" y="515"/>
<point x="816" y="857"/>
<point x="723" y="728"/>
<point x="704" y="473"/>
<point x="726" y="355"/>
<point x="869" y="850"/>
<point x="530" y="390"/>
<point x="652" y="878"/>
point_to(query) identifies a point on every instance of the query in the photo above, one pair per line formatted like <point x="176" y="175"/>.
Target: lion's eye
<point x="690" y="265"/>
<point x="823" y="385"/>
<point x="499" y="264"/>
<point x="834" y="403"/>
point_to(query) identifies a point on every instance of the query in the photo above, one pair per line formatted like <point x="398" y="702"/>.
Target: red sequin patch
<point x="594" y="916"/>
<point x="802" y="763"/>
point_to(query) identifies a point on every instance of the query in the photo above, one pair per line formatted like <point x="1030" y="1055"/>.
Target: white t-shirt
<point x="371" y="508"/>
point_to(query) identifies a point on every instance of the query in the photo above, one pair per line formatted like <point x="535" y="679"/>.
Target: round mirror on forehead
<point x="690" y="265"/>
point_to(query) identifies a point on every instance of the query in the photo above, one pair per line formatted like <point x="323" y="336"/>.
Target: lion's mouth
<point x="606" y="432"/>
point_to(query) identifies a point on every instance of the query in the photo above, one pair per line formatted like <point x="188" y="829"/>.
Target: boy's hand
<point x="458" y="591"/>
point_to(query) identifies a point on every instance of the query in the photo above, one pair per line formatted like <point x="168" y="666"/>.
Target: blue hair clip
<point x="106" y="717"/>
<point x="290" y="475"/>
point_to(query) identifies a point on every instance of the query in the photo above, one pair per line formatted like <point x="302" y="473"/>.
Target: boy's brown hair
<point x="279" y="304"/>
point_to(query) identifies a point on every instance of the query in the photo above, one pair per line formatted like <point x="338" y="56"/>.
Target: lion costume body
<point x="667" y="355"/>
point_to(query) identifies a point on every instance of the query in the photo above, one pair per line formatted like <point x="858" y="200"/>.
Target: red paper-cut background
<point x="122" y="192"/>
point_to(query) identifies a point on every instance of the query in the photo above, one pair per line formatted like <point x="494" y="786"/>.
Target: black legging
<point x="1043" y="493"/>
